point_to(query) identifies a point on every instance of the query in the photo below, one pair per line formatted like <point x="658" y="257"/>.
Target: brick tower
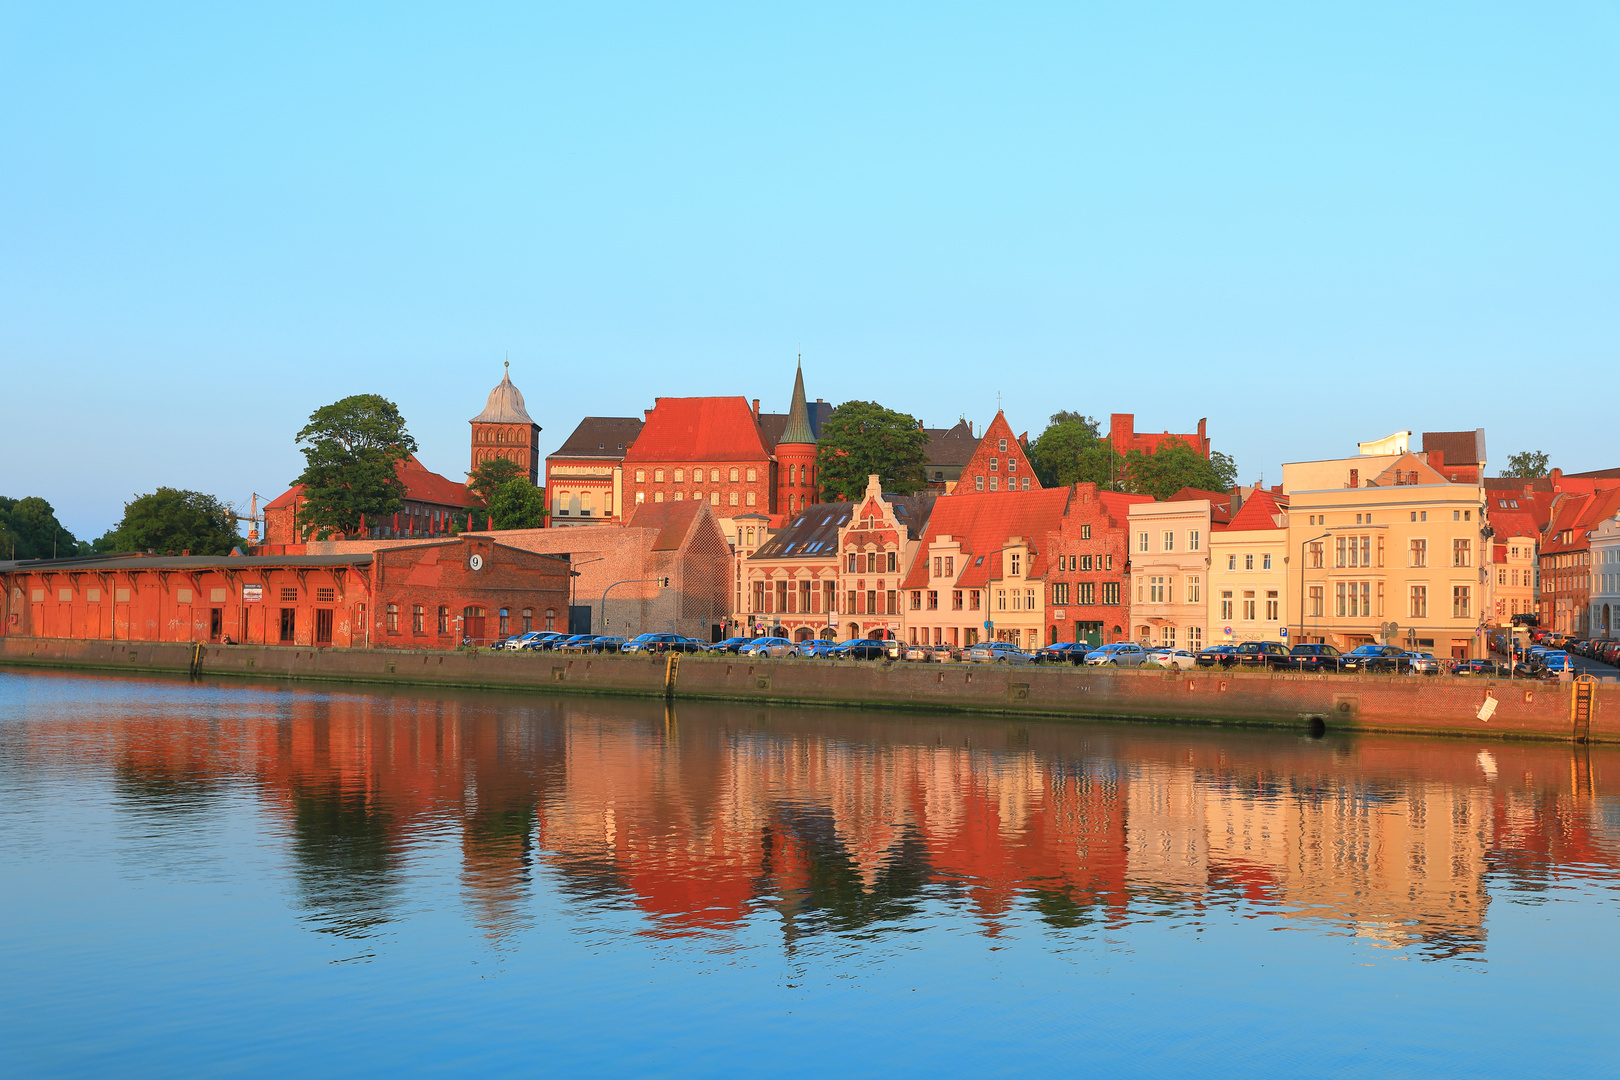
<point x="504" y="429"/>
<point x="796" y="455"/>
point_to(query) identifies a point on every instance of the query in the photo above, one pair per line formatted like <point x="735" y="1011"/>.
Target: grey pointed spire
<point x="798" y="428"/>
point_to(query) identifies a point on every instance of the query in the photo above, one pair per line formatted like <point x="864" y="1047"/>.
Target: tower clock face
<point x="476" y="562"/>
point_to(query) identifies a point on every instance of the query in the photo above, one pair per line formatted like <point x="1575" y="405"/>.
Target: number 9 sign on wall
<point x="476" y="562"/>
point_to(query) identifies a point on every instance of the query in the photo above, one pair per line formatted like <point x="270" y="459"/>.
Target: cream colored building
<point x="1248" y="575"/>
<point x="1605" y="610"/>
<point x="1169" y="554"/>
<point x="1384" y="548"/>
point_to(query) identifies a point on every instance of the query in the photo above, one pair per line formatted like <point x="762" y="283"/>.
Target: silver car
<point x="996" y="652"/>
<point x="1180" y="659"/>
<point x="1119" y="654"/>
<point x="769" y="646"/>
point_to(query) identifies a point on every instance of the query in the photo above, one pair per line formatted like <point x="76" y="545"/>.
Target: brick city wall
<point x="1411" y="704"/>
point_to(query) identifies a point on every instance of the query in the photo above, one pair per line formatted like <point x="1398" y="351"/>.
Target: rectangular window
<point x="1015" y="564"/>
<point x="939" y="566"/>
<point x="1060" y="594"/>
<point x="1029" y="599"/>
<point x="916" y="600"/>
<point x="1418" y="553"/>
<point x="1001" y="599"/>
<point x="1110" y="592"/>
<point x="978" y="483"/>
<point x="1338" y="551"/>
<point x="1108" y="562"/>
<point x="956" y="599"/>
<point x="1338" y="600"/>
<point x="1087" y="593"/>
<point x="1169" y="540"/>
<point x="1265" y="561"/>
<point x="1085" y="562"/>
<point x="933" y="599"/>
<point x="1316" y="601"/>
<point x="1459" y="602"/>
<point x="325" y="596"/>
<point x="1318" y="555"/>
<point x="1195" y="638"/>
<point x="950" y="564"/>
<point x="1085" y="532"/>
<point x="1193" y="590"/>
<point x="1248" y="562"/>
<point x="444" y="619"/>
<point x="1226" y="604"/>
<point x="994" y="482"/>
<point x="418" y="619"/>
<point x="849" y="602"/>
<point x="1420" y="602"/>
<point x="1141" y="541"/>
<point x="1193" y="540"/>
<point x="973" y="600"/>
<point x="1272" y="606"/>
<point x="1248" y="606"/>
<point x="1461" y="551"/>
<point x="289" y="596"/>
<point x="871" y="602"/>
<point x="393" y="618"/>
<point x="893" y="601"/>
<point x="1231" y="562"/>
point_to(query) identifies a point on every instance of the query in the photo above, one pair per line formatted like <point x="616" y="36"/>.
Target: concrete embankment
<point x="1417" y="704"/>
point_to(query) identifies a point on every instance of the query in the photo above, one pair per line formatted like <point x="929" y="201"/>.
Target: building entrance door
<point x="1088" y="633"/>
<point x="323" y="626"/>
<point x="473" y="624"/>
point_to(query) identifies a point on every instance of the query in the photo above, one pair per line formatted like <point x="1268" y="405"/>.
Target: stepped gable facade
<point x="877" y="548"/>
<point x="1123" y="436"/>
<point x="428" y="507"/>
<point x="1000" y="463"/>
<point x="505" y="430"/>
<point x="981" y="568"/>
<point x="1087" y="560"/>
<point x="585" y="475"/>
<point x="790" y="582"/>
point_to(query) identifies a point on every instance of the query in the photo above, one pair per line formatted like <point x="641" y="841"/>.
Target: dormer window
<point x="1015" y="564"/>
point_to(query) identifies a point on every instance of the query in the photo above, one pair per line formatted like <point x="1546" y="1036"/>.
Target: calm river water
<point x="220" y="877"/>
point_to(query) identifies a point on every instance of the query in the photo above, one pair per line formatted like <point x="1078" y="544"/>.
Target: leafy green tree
<point x="29" y="530"/>
<point x="861" y="438"/>
<point x="518" y="504"/>
<point x="490" y="474"/>
<point x="1530" y="463"/>
<point x="351" y="451"/>
<point x="170" y="521"/>
<point x="1058" y="451"/>
<point x="1175" y="465"/>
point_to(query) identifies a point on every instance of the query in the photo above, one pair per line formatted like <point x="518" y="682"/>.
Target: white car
<point x="1119" y="654"/>
<point x="1180" y="659"/>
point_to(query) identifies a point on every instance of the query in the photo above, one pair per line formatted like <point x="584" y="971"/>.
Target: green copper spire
<point x="798" y="428"/>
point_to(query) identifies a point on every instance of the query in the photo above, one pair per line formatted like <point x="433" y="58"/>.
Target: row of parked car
<point x="1538" y="661"/>
<point x="1603" y="650"/>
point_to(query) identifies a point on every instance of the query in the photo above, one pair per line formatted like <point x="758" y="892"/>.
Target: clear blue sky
<point x="1312" y="224"/>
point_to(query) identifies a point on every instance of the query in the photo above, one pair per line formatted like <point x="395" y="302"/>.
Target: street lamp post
<point x="1302" y="544"/>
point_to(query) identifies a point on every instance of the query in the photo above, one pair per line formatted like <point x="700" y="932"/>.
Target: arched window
<point x="506" y="622"/>
<point x="551" y="618"/>
<point x="393" y="618"/>
<point x="680" y="476"/>
<point x="733" y="476"/>
<point x="714" y="476"/>
<point x="528" y="620"/>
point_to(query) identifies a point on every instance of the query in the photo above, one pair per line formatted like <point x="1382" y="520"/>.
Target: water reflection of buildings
<point x="833" y="824"/>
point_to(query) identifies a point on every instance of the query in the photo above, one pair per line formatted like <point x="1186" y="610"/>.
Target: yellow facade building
<point x="1384" y="549"/>
<point x="1248" y="574"/>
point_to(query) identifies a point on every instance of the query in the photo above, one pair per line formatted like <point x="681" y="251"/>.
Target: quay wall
<point x="1416" y="704"/>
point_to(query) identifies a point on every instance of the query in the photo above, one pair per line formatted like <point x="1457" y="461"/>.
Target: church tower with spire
<point x="796" y="482"/>
<point x="504" y="429"/>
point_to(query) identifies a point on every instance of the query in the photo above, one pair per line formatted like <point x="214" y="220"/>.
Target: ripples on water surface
<point x="228" y="878"/>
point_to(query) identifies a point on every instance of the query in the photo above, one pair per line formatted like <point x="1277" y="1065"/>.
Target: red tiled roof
<point x="1578" y="515"/>
<point x="1118" y="504"/>
<point x="1257" y="513"/>
<point x="673" y="520"/>
<point x="420" y="486"/>
<point x="699" y="429"/>
<point x="1220" y="503"/>
<point x="983" y="522"/>
<point x="1506" y="523"/>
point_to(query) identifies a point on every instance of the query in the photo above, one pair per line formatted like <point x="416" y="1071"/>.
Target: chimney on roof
<point x="1236" y="502"/>
<point x="756" y="410"/>
<point x="1437" y="459"/>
